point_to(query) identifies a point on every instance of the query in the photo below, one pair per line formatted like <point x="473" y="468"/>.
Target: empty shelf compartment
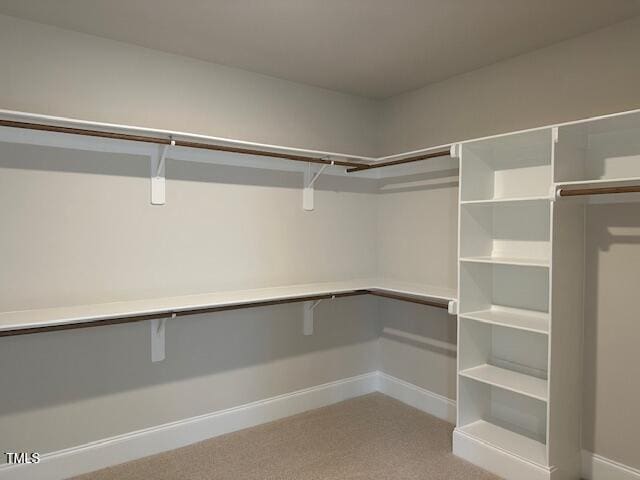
<point x="512" y="422"/>
<point x="599" y="150"/>
<point x="507" y="167"/>
<point x="485" y="285"/>
<point x="516" y="233"/>
<point x="514" y="360"/>
<point x="505" y="439"/>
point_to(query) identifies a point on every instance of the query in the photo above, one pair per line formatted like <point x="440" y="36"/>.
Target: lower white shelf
<point x="506" y="440"/>
<point x="503" y="260"/>
<point x="77" y="314"/>
<point x="520" y="383"/>
<point x="529" y="320"/>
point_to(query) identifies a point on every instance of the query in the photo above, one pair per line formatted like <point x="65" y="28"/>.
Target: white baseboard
<point x="595" y="467"/>
<point x="123" y="448"/>
<point x="497" y="461"/>
<point x="417" y="397"/>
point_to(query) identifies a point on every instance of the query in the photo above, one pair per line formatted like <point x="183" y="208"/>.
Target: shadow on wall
<point x="48" y="369"/>
<point x="611" y="332"/>
<point x="430" y="180"/>
<point x="118" y="164"/>
<point x="418" y="345"/>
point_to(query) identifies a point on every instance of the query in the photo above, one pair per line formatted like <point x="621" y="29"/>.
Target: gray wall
<point x="81" y="229"/>
<point x="417" y="242"/>
<point x="612" y="332"/>
<point x="590" y="75"/>
<point x="58" y="72"/>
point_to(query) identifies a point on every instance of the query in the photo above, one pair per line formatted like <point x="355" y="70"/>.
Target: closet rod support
<point x="309" y="181"/>
<point x="158" y="328"/>
<point x="577" y="192"/>
<point x="158" y="177"/>
<point x="309" y="307"/>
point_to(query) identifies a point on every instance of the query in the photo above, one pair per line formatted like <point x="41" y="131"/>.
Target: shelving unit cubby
<point x="506" y="232"/>
<point x="599" y="152"/>
<point x="507" y="168"/>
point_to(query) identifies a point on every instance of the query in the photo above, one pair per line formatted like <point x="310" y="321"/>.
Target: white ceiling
<point x="373" y="48"/>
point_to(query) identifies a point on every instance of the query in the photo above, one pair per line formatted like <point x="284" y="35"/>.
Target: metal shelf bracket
<point x="158" y="180"/>
<point x="158" y="328"/>
<point x="309" y="180"/>
<point x="309" y="307"/>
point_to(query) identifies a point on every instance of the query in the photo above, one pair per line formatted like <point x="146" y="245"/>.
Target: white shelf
<point x="520" y="383"/>
<point x="414" y="289"/>
<point x="37" y="318"/>
<point x="508" y="441"/>
<point x="517" y="261"/>
<point x="492" y="201"/>
<point x="512" y="317"/>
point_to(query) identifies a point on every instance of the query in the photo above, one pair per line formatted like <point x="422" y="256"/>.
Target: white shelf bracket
<point x="158" y="180"/>
<point x="452" y="307"/>
<point x="454" y="151"/>
<point x="157" y="338"/>
<point x="554" y="134"/>
<point x="309" y="180"/>
<point x="309" y="307"/>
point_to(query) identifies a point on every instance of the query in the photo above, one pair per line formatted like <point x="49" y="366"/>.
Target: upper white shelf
<point x="48" y="317"/>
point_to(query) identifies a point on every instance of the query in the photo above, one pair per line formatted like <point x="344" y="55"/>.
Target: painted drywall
<point x="81" y="229"/>
<point x="591" y="75"/>
<point x="594" y="74"/>
<point x="612" y="332"/>
<point x="58" y="72"/>
<point x="417" y="242"/>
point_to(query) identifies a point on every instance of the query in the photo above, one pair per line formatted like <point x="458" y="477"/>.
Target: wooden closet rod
<point x="407" y="298"/>
<point x="598" y="191"/>
<point x="179" y="143"/>
<point x="196" y="311"/>
<point x="416" y="158"/>
<point x="180" y="313"/>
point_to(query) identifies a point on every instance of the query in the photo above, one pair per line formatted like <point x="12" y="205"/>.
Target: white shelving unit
<point x="521" y="277"/>
<point x="505" y="310"/>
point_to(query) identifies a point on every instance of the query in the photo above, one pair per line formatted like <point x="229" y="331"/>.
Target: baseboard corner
<point x="597" y="467"/>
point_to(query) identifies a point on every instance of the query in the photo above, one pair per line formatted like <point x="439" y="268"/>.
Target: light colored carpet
<point x="369" y="437"/>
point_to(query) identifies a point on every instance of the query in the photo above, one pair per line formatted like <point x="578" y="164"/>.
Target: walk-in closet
<point x="319" y="240"/>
